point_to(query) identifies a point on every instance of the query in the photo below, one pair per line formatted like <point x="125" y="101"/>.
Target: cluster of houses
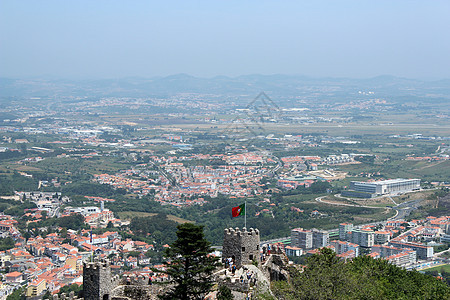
<point x="405" y="244"/>
<point x="179" y="184"/>
<point x="56" y="260"/>
<point x="8" y="227"/>
<point x="45" y="201"/>
<point x="95" y="217"/>
<point x="176" y="181"/>
<point x="47" y="263"/>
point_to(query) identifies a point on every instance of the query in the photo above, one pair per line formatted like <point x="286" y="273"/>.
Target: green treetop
<point x="327" y="277"/>
<point x="190" y="264"/>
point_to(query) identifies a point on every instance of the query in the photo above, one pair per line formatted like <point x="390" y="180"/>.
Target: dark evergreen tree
<point x="224" y="293"/>
<point x="328" y="277"/>
<point x="6" y="243"/>
<point x="74" y="221"/>
<point x="190" y="264"/>
<point x="18" y="294"/>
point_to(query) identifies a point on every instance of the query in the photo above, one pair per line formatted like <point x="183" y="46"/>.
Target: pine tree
<point x="190" y="265"/>
<point x="224" y="293"/>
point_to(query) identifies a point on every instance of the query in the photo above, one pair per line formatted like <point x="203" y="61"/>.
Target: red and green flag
<point x="238" y="210"/>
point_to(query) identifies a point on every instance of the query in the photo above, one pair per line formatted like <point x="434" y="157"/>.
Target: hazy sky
<point x="340" y="38"/>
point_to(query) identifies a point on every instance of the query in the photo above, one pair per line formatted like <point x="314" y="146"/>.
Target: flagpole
<point x="245" y="214"/>
<point x="92" y="252"/>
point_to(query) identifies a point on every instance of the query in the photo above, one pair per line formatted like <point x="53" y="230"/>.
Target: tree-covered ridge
<point x="158" y="227"/>
<point x="327" y="277"/>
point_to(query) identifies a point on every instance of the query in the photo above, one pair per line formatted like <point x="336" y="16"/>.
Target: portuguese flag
<point x="238" y="210"/>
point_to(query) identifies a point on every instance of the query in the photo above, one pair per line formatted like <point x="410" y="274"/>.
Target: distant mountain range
<point x="284" y="86"/>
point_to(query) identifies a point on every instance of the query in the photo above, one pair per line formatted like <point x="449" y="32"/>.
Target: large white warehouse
<point x="398" y="185"/>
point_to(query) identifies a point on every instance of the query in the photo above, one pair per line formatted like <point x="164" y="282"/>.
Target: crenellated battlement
<point x="99" y="283"/>
<point x="97" y="264"/>
<point x="238" y="232"/>
<point x="135" y="280"/>
<point x="71" y="296"/>
<point x="241" y="245"/>
<point x="98" y="280"/>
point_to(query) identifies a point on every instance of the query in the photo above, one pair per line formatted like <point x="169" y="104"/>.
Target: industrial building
<point x="377" y="188"/>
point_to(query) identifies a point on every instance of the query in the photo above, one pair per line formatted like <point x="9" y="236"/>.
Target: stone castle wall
<point x="98" y="281"/>
<point x="242" y="246"/>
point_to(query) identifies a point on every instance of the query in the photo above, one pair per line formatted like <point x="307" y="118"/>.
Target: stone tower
<point x="242" y="246"/>
<point x="98" y="282"/>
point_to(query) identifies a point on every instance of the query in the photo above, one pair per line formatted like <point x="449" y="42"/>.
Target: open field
<point x="338" y="129"/>
<point x="379" y="216"/>
<point x="413" y="196"/>
<point x="377" y="202"/>
<point x="433" y="171"/>
<point x="334" y="214"/>
<point x="25" y="168"/>
<point x="338" y="200"/>
<point x="409" y="196"/>
<point x="335" y="175"/>
<point x="381" y="201"/>
<point x="443" y="268"/>
<point x="58" y="166"/>
<point x="90" y="166"/>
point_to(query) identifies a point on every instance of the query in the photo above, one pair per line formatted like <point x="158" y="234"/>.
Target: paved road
<point x="56" y="213"/>
<point x="165" y="174"/>
<point x="275" y="240"/>
<point x="319" y="199"/>
<point x="436" y="255"/>
<point x="278" y="166"/>
<point x="392" y="200"/>
<point x="403" y="209"/>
